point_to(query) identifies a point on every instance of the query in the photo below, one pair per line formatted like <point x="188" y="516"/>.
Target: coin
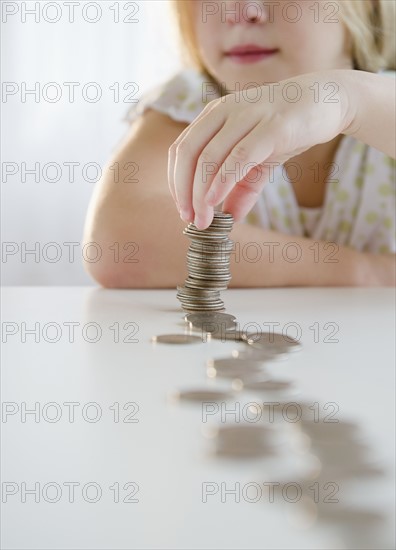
<point x="214" y="328"/>
<point x="176" y="339"/>
<point x="226" y="335"/>
<point x="208" y="265"/>
<point x="267" y="340"/>
<point x="209" y="317"/>
<point x="211" y="322"/>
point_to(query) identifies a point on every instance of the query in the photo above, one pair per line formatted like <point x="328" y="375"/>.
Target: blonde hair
<point x="370" y="23"/>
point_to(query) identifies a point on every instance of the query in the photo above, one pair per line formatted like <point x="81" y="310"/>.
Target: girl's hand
<point x="222" y="155"/>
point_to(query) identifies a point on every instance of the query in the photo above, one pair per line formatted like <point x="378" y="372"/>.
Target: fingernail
<point x="184" y="215"/>
<point x="197" y="222"/>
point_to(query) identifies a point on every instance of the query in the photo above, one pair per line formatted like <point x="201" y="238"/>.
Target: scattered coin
<point x="215" y="328"/>
<point x="274" y="340"/>
<point x="176" y="339"/>
<point x="244" y="441"/>
<point x="208" y="265"/>
<point x="227" y="335"/>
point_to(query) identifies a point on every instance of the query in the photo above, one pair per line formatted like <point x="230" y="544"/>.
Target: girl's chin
<point x="238" y="80"/>
<point x="254" y="72"/>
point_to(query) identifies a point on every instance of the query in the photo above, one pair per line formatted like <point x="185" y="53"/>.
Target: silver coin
<point x="195" y="309"/>
<point x="212" y="250"/>
<point x="213" y="326"/>
<point x="215" y="317"/>
<point x="209" y="259"/>
<point x="176" y="339"/>
<point x="228" y="335"/>
<point x="272" y="339"/>
<point x="196" y="299"/>
<point x="193" y="291"/>
<point x="204" y="284"/>
<point x="209" y="265"/>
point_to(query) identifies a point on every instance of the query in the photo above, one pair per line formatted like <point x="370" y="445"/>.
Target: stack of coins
<point x="208" y="265"/>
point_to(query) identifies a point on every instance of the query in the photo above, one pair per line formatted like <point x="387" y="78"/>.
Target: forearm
<point x="142" y="244"/>
<point x="271" y="259"/>
<point x="372" y="100"/>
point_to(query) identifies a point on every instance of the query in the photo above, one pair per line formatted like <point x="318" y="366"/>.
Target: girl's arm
<point x="271" y="259"/>
<point x="124" y="213"/>
<point x="372" y="100"/>
<point x="132" y="216"/>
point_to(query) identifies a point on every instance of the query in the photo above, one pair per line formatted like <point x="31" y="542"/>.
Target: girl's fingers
<point x="172" y="153"/>
<point x="209" y="165"/>
<point x="252" y="150"/>
<point x="171" y="172"/>
<point x="188" y="150"/>
<point x="245" y="193"/>
<point x="171" y="167"/>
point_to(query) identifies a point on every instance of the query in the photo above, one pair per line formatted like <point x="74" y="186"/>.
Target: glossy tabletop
<point x="98" y="451"/>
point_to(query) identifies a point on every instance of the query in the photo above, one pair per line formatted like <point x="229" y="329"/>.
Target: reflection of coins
<point x="176" y="339"/>
<point x="244" y="441"/>
<point x="270" y="340"/>
<point x="261" y="355"/>
<point x="202" y="395"/>
<point x="233" y="362"/>
<point x="330" y="428"/>
<point x="233" y="368"/>
<point x="268" y="385"/>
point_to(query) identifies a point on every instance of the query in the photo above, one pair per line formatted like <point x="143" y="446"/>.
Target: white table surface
<point x="168" y="453"/>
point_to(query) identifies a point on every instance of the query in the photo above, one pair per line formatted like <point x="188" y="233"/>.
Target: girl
<point x="285" y="117"/>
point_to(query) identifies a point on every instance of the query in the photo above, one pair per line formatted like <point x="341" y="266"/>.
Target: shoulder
<point x="182" y="97"/>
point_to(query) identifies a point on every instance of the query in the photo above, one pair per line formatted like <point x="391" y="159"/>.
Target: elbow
<point x="105" y="275"/>
<point x="115" y="268"/>
<point x="111" y="275"/>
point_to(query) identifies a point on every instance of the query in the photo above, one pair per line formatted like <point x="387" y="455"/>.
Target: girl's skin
<point x="234" y="130"/>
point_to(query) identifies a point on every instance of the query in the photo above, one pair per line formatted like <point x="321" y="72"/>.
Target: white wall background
<point x="34" y="50"/>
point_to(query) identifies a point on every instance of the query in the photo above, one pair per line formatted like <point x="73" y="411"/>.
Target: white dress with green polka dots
<point x="360" y="198"/>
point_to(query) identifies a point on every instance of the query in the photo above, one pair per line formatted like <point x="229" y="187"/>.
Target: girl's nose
<point x="243" y="12"/>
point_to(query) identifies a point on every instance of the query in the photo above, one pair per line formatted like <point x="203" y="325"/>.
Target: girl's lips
<point x="249" y="54"/>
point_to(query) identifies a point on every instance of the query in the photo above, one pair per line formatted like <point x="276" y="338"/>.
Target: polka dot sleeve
<point x="182" y="97"/>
